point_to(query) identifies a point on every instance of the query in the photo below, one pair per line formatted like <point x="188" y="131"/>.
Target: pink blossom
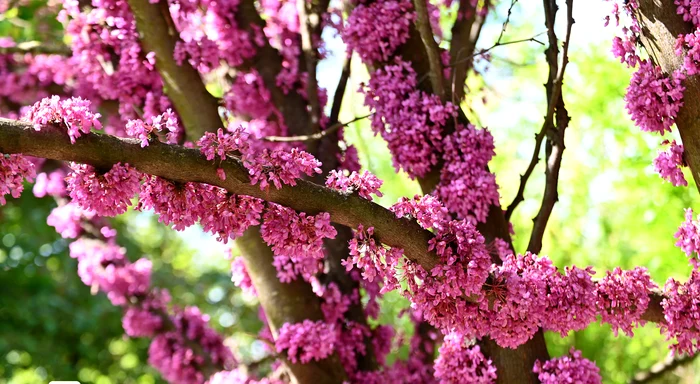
<point x="166" y="122"/>
<point x="178" y="204"/>
<point x="688" y="47"/>
<point x="74" y="114"/>
<point x="51" y="184"/>
<point x="240" y="276"/>
<point x="668" y="164"/>
<point x="688" y="236"/>
<point x="568" y="369"/>
<point x="409" y="120"/>
<point x="458" y="363"/>
<point x="690" y="9"/>
<point x="306" y="341"/>
<point x="105" y="266"/>
<point x="221" y="144"/>
<point x="280" y="167"/>
<point x="228" y="216"/>
<point x="374" y="31"/>
<point x="652" y="99"/>
<point x="107" y="194"/>
<point x="682" y="313"/>
<point x="67" y="219"/>
<point x="466" y="186"/>
<point x="622" y="298"/>
<point x="13" y="170"/>
<point x="571" y="302"/>
<point x="145" y="319"/>
<point x="520" y="289"/>
<point x="296" y="240"/>
<point x="364" y="184"/>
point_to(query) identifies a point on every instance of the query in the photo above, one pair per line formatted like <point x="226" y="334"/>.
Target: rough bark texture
<point x="197" y="108"/>
<point x="286" y="303"/>
<point x="661" y="25"/>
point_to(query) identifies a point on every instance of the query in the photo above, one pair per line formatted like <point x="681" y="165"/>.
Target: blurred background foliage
<point x="613" y="210"/>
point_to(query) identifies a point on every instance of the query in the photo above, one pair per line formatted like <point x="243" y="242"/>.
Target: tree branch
<point x="197" y="108"/>
<point x="433" y="52"/>
<point x="555" y="132"/>
<point x="340" y="90"/>
<point x="465" y="33"/>
<point x="316" y="136"/>
<point x="661" y="26"/>
<point x="182" y="164"/>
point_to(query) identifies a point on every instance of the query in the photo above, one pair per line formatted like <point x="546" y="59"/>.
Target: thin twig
<point x="505" y="23"/>
<point x="555" y="132"/>
<point x="484" y="51"/>
<point x="315" y="136"/>
<point x="661" y="368"/>
<point x="437" y="79"/>
<point x="340" y="90"/>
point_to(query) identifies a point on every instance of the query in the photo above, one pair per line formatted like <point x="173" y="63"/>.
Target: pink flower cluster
<point x="459" y="363"/>
<point x="652" y="99"/>
<point x="364" y="184"/>
<point x="622" y="298"/>
<point x="166" y="122"/>
<point x="14" y="169"/>
<point x="568" y="369"/>
<point x="682" y="313"/>
<point x="668" y="164"/>
<point x="67" y="219"/>
<point x="296" y="240"/>
<point x="571" y="301"/>
<point x="240" y="276"/>
<point x="689" y="45"/>
<point x="50" y="184"/>
<point x="409" y="120"/>
<point x="227" y="215"/>
<point x="520" y="289"/>
<point x="264" y="166"/>
<point x="74" y="114"/>
<point x="466" y="186"/>
<point x="147" y="317"/>
<point x="373" y="259"/>
<point x="688" y="236"/>
<point x="306" y="341"/>
<point x="106" y="194"/>
<point x="108" y="60"/>
<point x="105" y="266"/>
<point x="239" y="376"/>
<point x="690" y="9"/>
<point x="172" y="353"/>
<point x="374" y="31"/>
<point x="176" y="203"/>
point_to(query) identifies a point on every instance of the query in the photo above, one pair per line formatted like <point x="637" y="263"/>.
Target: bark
<point x="661" y="25"/>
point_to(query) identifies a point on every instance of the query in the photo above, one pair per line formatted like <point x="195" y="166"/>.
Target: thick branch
<point x="661" y="26"/>
<point x="268" y="62"/>
<point x="292" y="302"/>
<point x="465" y="33"/>
<point x="182" y="164"/>
<point x="197" y="108"/>
<point x="432" y="50"/>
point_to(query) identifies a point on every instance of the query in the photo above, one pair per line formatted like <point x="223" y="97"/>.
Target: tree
<point x="282" y="181"/>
